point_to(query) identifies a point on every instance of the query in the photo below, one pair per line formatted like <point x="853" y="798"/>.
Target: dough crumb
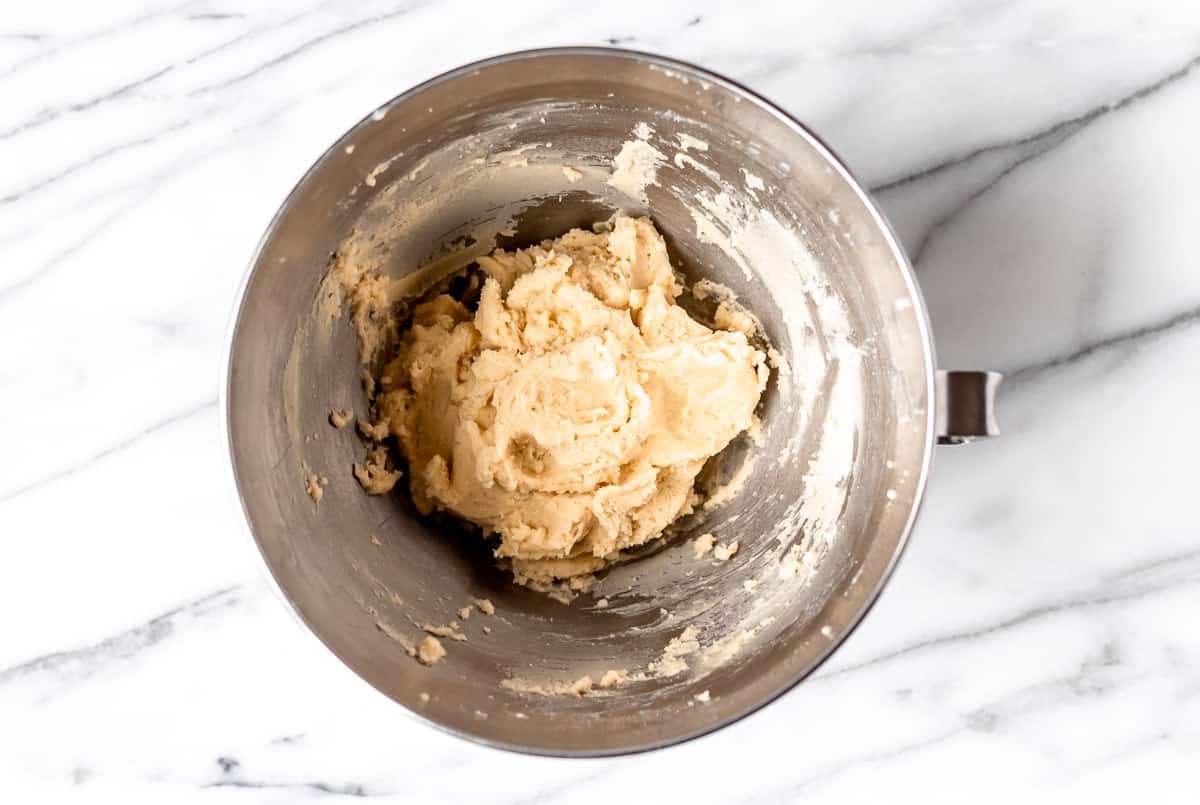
<point x="579" y="687"/>
<point x="703" y="697"/>
<point x="444" y="631"/>
<point x="671" y="662"/>
<point x="424" y="697"/>
<point x="430" y="650"/>
<point x="340" y="418"/>
<point x="375" y="540"/>
<point x="485" y="606"/>
<point x="602" y="603"/>
<point x="464" y="613"/>
<point x="729" y="316"/>
<point x="487" y="630"/>
<point x="372" y="432"/>
<point x="573" y="175"/>
<point x="703" y="544"/>
<point x="613" y="678"/>
<point x="704" y="289"/>
<point x="725" y="550"/>
<point x="374" y="475"/>
<point x="313" y="483"/>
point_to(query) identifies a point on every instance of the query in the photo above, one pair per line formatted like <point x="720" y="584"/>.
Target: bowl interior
<point x="820" y="504"/>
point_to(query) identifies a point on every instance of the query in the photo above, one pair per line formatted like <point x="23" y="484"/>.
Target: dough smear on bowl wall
<point x="570" y="413"/>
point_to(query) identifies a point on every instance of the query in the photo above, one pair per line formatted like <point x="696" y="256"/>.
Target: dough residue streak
<point x="636" y="167"/>
<point x="579" y="687"/>
<point x="672" y="661"/>
<point x="485" y="606"/>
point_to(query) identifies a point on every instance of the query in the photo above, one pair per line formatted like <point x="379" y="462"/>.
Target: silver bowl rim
<point x="797" y="128"/>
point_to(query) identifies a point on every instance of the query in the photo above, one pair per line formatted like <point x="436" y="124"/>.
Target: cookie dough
<point x="314" y="484"/>
<point x="726" y="550"/>
<point x="571" y="412"/>
<point x="430" y="651"/>
<point x="485" y="606"/>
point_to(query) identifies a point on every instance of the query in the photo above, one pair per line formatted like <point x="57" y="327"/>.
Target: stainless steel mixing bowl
<point x="473" y="159"/>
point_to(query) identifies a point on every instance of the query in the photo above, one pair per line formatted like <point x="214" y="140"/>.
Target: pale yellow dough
<point x="570" y="414"/>
<point x="430" y="651"/>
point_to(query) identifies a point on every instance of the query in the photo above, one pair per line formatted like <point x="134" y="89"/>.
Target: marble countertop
<point x="1040" y="161"/>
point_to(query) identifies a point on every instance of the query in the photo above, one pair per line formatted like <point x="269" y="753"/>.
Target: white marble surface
<point x="1039" y="640"/>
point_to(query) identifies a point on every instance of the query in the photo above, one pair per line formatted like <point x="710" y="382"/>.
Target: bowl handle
<point x="966" y="406"/>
